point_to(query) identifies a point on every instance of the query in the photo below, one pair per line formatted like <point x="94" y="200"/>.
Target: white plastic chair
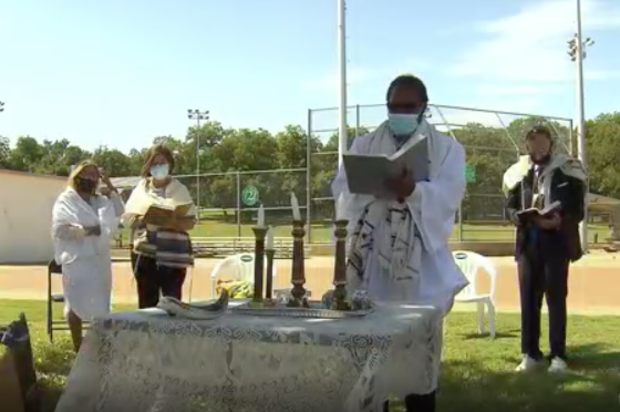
<point x="470" y="263"/>
<point x="243" y="266"/>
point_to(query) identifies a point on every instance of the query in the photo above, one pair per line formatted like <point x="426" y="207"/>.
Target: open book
<point x="527" y="214"/>
<point x="367" y="173"/>
<point x="158" y="213"/>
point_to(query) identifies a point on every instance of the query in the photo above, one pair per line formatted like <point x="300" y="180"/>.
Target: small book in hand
<point x="158" y="214"/>
<point x="527" y="214"/>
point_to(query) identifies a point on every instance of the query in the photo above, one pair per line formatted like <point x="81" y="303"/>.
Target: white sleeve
<point x="434" y="203"/>
<point x="117" y="204"/>
<point x="68" y="232"/>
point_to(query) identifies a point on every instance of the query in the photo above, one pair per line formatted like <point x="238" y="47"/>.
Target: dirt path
<point x="594" y="282"/>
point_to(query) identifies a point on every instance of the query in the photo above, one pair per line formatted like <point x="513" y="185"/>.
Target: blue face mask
<point x="160" y="172"/>
<point x="403" y="124"/>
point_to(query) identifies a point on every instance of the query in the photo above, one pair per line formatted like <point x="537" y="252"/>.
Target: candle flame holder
<point x="298" y="277"/>
<point x="259" y="262"/>
<point x="340" y="267"/>
<point x="269" y="253"/>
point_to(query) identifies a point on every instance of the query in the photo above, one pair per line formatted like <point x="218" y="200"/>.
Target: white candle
<point x="261" y="217"/>
<point x="269" y="242"/>
<point x="295" y="206"/>
<point x="340" y="207"/>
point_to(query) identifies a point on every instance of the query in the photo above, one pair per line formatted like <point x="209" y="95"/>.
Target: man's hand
<point x="552" y="222"/>
<point x="93" y="230"/>
<point x="401" y="186"/>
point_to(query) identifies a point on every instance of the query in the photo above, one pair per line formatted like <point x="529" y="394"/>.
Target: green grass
<point x="477" y="372"/>
<point x="323" y="233"/>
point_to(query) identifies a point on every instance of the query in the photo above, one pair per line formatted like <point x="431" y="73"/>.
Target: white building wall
<point x="26" y="202"/>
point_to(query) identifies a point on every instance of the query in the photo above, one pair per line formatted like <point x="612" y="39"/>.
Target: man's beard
<point x="541" y="160"/>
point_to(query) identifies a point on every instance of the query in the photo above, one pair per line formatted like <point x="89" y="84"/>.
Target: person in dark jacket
<point x="545" y="245"/>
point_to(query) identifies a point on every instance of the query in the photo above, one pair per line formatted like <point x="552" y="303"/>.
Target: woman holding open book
<point x="83" y="222"/>
<point x="160" y="212"/>
<point x="546" y="196"/>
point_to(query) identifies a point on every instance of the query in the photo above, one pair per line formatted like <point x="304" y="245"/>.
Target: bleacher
<point x="215" y="247"/>
<point x="226" y="246"/>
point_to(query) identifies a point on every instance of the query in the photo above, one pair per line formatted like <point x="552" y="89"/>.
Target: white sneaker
<point x="527" y="364"/>
<point x="558" y="365"/>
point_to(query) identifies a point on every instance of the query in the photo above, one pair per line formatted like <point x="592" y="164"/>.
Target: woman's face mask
<point x="85" y="185"/>
<point x="160" y="171"/>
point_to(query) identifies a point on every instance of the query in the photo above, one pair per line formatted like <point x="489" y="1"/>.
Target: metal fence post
<point x="309" y="176"/>
<point x="238" y="204"/>
<point x="198" y="198"/>
<point x="357" y="120"/>
<point x="570" y="137"/>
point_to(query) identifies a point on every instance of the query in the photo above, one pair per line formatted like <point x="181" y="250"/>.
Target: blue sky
<point x="122" y="72"/>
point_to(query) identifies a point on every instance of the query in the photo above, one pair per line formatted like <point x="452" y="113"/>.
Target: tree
<point x="244" y="150"/>
<point x="136" y="160"/>
<point x="603" y="149"/>
<point x="5" y="152"/>
<point x="59" y="157"/>
<point x="26" y="154"/>
<point x="113" y="161"/>
<point x="231" y="159"/>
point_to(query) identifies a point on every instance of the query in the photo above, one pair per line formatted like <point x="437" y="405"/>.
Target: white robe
<point x="433" y="206"/>
<point x="85" y="260"/>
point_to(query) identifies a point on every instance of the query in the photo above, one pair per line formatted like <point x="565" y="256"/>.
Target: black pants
<point x="416" y="403"/>
<point x="543" y="274"/>
<point x="153" y="280"/>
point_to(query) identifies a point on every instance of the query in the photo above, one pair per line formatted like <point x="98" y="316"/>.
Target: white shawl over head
<point x="141" y="198"/>
<point x="566" y="164"/>
<point x="70" y="209"/>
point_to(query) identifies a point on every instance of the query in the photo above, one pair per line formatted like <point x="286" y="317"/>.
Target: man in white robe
<point x="399" y="244"/>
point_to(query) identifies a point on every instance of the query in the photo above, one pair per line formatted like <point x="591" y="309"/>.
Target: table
<point x="147" y="361"/>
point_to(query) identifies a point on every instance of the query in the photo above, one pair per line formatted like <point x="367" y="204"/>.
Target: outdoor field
<point x="477" y="372"/>
<point x="211" y="227"/>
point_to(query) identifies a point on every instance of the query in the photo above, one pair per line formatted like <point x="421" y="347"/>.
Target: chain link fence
<point x="228" y="202"/>
<point x="493" y="141"/>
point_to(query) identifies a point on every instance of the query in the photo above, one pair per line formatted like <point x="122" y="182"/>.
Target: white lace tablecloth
<point x="146" y="361"/>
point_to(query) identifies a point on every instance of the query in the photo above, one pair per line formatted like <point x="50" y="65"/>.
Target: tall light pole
<point x="197" y="115"/>
<point x="342" y="81"/>
<point x="577" y="54"/>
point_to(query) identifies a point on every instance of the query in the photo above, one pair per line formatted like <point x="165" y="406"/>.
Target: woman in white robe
<point x="83" y="223"/>
<point x="399" y="244"/>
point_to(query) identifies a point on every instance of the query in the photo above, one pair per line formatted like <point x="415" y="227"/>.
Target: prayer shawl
<point x="168" y="247"/>
<point x="559" y="161"/>
<point x="71" y="209"/>
<point x="399" y="251"/>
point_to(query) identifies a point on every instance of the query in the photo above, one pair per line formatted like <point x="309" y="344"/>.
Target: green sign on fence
<point x="249" y="195"/>
<point x="470" y="173"/>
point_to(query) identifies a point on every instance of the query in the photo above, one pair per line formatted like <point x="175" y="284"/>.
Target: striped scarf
<point x="168" y="247"/>
<point x="399" y="249"/>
